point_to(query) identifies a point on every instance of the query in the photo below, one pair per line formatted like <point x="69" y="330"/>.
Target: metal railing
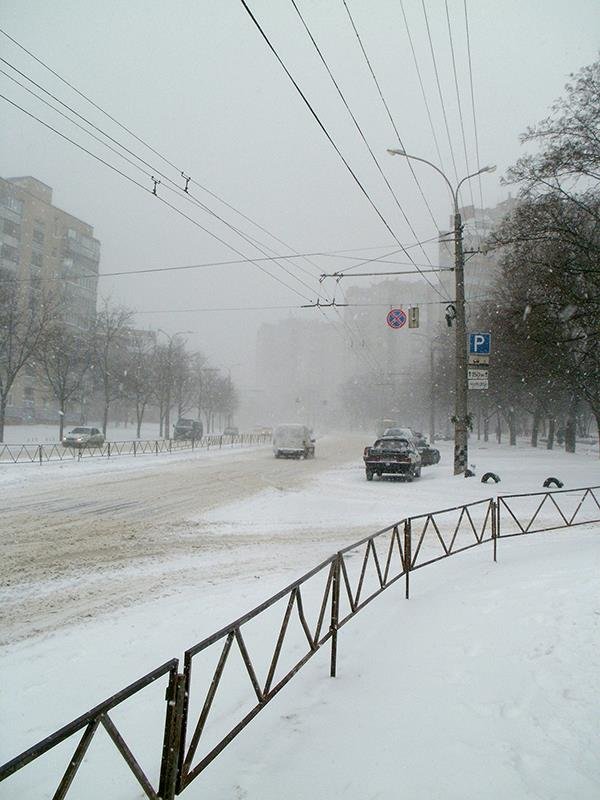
<point x="42" y="453"/>
<point x="546" y="511"/>
<point x="316" y="605"/>
<point x="89" y="724"/>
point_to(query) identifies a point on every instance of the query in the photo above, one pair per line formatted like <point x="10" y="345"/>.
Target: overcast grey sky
<point x="197" y="81"/>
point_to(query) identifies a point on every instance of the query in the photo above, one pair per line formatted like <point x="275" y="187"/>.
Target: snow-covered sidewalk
<point x="485" y="684"/>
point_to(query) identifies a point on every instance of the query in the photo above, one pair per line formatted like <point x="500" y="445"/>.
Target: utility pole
<point x="432" y="403"/>
<point x="461" y="415"/>
<point x="461" y="412"/>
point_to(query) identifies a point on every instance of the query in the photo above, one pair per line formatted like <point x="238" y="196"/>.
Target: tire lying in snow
<point x="490" y="476"/>
<point x="553" y="482"/>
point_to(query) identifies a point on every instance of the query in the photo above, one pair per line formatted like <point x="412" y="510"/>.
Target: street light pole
<point x="461" y="412"/>
<point x="170" y="337"/>
<point x="432" y="398"/>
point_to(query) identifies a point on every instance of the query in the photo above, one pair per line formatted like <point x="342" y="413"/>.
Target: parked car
<point x="231" y="431"/>
<point x="405" y="433"/>
<point x="392" y="455"/>
<point x="187" y="429"/>
<point x="83" y="437"/>
<point x="429" y="455"/>
<point x="293" y="441"/>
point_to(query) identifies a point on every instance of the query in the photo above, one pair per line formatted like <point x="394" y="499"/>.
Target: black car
<point x="392" y="455"/>
<point x="429" y="455"/>
<point x="187" y="429"/>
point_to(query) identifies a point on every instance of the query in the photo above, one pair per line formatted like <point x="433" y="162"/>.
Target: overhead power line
<point x="324" y="129"/>
<point x="473" y="102"/>
<point x="339" y="275"/>
<point x="181" y="173"/>
<point x="225" y="308"/>
<point x="355" y="120"/>
<point x="146" y="189"/>
<point x="174" y="188"/>
<point x="389" y="114"/>
<point x="458" y="102"/>
<point x="439" y="88"/>
<point x="423" y="93"/>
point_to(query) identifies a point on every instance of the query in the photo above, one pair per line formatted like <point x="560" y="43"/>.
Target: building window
<point x="37" y="259"/>
<point x="11" y="229"/>
<point x="10" y="253"/>
<point x="38" y="236"/>
<point x="11" y="202"/>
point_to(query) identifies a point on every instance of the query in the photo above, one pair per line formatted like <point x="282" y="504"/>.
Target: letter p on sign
<point x="480" y="344"/>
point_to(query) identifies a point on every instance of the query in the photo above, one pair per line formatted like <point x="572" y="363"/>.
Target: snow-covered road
<point x="79" y="539"/>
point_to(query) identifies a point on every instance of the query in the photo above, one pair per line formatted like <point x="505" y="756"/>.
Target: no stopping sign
<point x="396" y="318"/>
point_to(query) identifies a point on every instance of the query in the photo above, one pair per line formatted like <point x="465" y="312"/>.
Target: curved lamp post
<point x="461" y="414"/>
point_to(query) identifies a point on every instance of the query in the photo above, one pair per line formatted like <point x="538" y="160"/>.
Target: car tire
<point x="369" y="475"/>
<point x="418" y="473"/>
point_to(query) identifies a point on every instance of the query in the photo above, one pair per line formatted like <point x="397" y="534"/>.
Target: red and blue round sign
<point x="396" y="318"/>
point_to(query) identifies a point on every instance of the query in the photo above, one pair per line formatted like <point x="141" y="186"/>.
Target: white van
<point x="293" y="441"/>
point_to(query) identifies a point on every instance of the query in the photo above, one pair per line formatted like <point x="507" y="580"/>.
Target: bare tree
<point x="183" y="394"/>
<point x="139" y="373"/>
<point x="23" y="322"/>
<point x="110" y="359"/>
<point x="65" y="359"/>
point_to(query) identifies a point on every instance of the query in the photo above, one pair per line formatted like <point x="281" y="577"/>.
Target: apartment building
<point x="48" y="249"/>
<point x="480" y="267"/>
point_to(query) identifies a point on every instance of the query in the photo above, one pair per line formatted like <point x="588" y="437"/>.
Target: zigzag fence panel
<point x="230" y="676"/>
<point x="368" y="567"/>
<point x="452" y="530"/>
<point x="520" y="514"/>
<point x="233" y="674"/>
<point x="157" y="782"/>
<point x="42" y="453"/>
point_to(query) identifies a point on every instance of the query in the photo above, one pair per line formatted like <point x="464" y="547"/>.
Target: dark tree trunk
<point x="571" y="427"/>
<point x="3" y="400"/>
<point x="535" y="427"/>
<point x="498" y="428"/>
<point x="512" y="427"/>
<point x="551" y="431"/>
<point x="486" y="429"/>
<point x="61" y="423"/>
<point x="161" y="417"/>
<point x="105" y="417"/>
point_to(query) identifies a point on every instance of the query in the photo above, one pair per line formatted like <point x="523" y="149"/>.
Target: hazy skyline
<point x="198" y="83"/>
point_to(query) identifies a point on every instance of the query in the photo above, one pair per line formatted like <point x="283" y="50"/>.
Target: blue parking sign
<point x="480" y="344"/>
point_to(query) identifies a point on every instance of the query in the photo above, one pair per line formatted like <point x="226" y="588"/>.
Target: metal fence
<point x="99" y="716"/>
<point x="42" y="453"/>
<point x="520" y="514"/>
<point x="300" y="619"/>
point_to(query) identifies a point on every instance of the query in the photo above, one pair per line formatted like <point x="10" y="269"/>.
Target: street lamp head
<point x="396" y="152"/>
<point x="490" y="168"/>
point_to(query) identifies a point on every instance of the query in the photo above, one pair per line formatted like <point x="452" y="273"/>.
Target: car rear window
<point x="391" y="444"/>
